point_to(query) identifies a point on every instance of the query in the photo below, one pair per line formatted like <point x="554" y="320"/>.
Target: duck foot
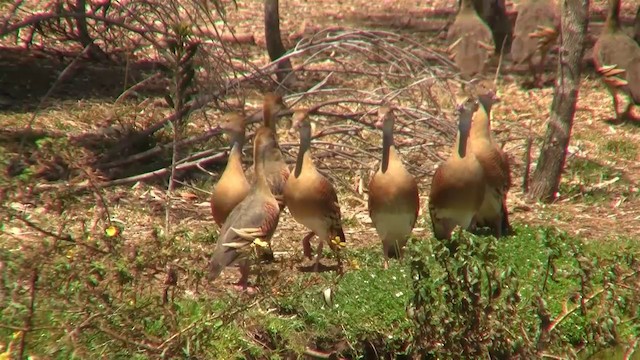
<point x="251" y="290"/>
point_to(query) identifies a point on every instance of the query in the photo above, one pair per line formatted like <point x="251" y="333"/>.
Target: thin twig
<point x="631" y="349"/>
<point x="28" y="320"/>
<point x="567" y="312"/>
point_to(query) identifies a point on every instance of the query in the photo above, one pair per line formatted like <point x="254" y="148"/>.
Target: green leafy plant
<point x="463" y="305"/>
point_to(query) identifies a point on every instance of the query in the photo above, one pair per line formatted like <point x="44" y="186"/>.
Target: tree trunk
<point x="546" y="177"/>
<point x="274" y="40"/>
<point x="494" y="13"/>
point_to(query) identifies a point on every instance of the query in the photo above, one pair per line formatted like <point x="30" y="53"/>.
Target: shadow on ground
<point x="27" y="75"/>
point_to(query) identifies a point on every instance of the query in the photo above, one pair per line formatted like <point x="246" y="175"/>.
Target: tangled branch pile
<point x="332" y="66"/>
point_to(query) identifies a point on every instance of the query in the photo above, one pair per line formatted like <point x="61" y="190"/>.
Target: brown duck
<point x="536" y="30"/>
<point x="393" y="194"/>
<point x="232" y="186"/>
<point x="495" y="163"/>
<point x="458" y="185"/>
<point x="617" y="60"/>
<point x="311" y="198"/>
<point x="255" y="217"/>
<point x="470" y="41"/>
<point x="277" y="170"/>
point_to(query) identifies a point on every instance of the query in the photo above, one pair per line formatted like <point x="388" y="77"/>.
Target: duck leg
<point x="540" y="68"/>
<point x="392" y="249"/>
<point x="339" y="258"/>
<point x="497" y="227"/>
<point x="243" y="282"/>
<point x="538" y="81"/>
<point x="385" y="252"/>
<point x="316" y="267"/>
<point x="614" y="97"/>
<point x="533" y="71"/>
<point x="627" y="112"/>
<point x="473" y="225"/>
<point x="306" y="244"/>
<point x="506" y="227"/>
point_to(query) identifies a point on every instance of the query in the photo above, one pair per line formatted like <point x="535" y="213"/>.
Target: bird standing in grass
<point x="251" y="224"/>
<point x="311" y="198"/>
<point x="233" y="185"/>
<point x="495" y="163"/>
<point x="394" y="202"/>
<point x="470" y="41"/>
<point x="458" y="185"/>
<point x="276" y="170"/>
<point x="536" y="30"/>
<point x="617" y="60"/>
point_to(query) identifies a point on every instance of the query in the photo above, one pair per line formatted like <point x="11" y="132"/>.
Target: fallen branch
<point x="146" y="176"/>
<point x="158" y="149"/>
<point x="238" y="38"/>
<point x="126" y="339"/>
<point x="65" y="237"/>
<point x="566" y="311"/>
<point x="320" y="354"/>
<point x="363" y="41"/>
<point x="137" y="86"/>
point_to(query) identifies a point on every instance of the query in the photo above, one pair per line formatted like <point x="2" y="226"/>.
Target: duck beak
<point x="384" y="113"/>
<point x="495" y="98"/>
<point x="296" y="120"/>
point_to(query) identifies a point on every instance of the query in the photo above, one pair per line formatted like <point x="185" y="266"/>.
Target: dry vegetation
<point x="354" y="56"/>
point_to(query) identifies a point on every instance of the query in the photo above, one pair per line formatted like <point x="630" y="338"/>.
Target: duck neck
<point x="260" y="160"/>
<point x="466" y="6"/>
<point x="387" y="143"/>
<point x="305" y="144"/>
<point x="486" y="103"/>
<point x="237" y="142"/>
<point x="613" y="17"/>
<point x="267" y="116"/>
<point x="461" y="144"/>
<point x="481" y="126"/>
<point x="465" y="124"/>
<point x="235" y="157"/>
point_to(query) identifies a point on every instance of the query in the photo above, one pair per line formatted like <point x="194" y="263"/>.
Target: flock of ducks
<point x="468" y="190"/>
<point x="616" y="55"/>
<point x="247" y="206"/>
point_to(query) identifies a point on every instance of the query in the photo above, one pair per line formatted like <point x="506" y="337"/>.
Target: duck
<point x="394" y="201"/>
<point x="536" y="29"/>
<point x="617" y="59"/>
<point x="458" y="184"/>
<point x="251" y="224"/>
<point x="471" y="43"/>
<point x="232" y="186"/>
<point x="312" y="199"/>
<point x="495" y="162"/>
<point x="277" y="172"/>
